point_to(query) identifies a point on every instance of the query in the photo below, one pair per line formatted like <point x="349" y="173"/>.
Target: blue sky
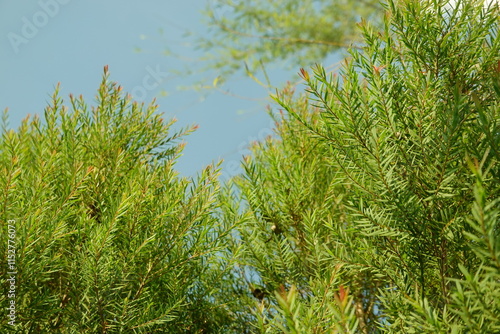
<point x="70" y="41"/>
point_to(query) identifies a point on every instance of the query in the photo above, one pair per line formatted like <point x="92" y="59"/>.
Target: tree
<point x="107" y="237"/>
<point x="375" y="209"/>
<point x="254" y="34"/>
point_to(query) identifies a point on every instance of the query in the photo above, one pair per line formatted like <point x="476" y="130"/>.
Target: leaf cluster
<point x="108" y="237"/>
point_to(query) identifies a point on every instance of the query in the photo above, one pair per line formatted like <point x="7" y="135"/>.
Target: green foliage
<point x="369" y="183"/>
<point x="256" y="33"/>
<point x="109" y="238"/>
<point x="373" y="209"/>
